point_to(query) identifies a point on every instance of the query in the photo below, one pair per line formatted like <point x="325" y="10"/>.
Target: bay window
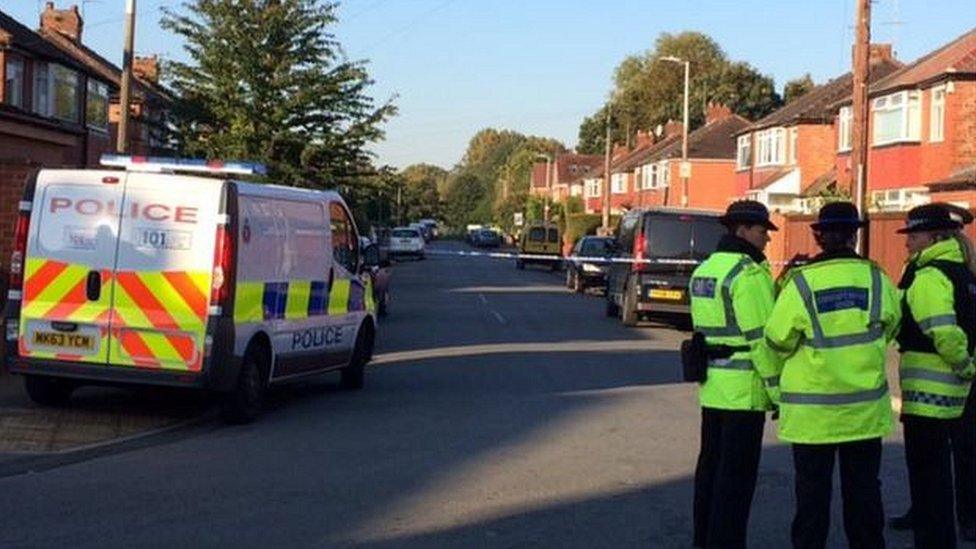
<point x="618" y="183"/>
<point x="55" y="92"/>
<point x="771" y="145"/>
<point x="14" y="82"/>
<point x="937" y="114"/>
<point x="897" y="117"/>
<point x="743" y="155"/>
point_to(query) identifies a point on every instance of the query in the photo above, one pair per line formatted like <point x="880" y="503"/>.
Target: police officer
<point x="831" y="326"/>
<point x="936" y="340"/>
<point x="731" y="297"/>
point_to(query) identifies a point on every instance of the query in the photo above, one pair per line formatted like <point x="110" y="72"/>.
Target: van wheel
<point x="49" y="391"/>
<point x="246" y="402"/>
<point x="354" y="376"/>
<point x="519" y="264"/>
<point x="628" y="313"/>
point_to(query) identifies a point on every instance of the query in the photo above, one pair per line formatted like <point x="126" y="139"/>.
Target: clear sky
<point x="540" y="66"/>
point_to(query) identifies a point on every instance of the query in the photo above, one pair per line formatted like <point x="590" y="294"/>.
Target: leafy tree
<point x="462" y="201"/>
<point x="648" y="90"/>
<point x="421" y="196"/>
<point x="797" y="87"/>
<point x="268" y="81"/>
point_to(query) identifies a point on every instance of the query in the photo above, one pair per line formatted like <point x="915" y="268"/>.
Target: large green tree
<point x="648" y="90"/>
<point x="267" y="81"/>
<point x="420" y="197"/>
<point x="797" y="88"/>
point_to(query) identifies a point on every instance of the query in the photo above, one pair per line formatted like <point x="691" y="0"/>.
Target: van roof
<point x="676" y="211"/>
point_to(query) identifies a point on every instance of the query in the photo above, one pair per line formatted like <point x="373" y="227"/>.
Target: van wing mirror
<point x="371" y="256"/>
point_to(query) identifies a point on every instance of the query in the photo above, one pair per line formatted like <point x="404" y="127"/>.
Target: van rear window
<point x="537" y="234"/>
<point x="553" y="235"/>
<point x="681" y="237"/>
<point x="406" y="233"/>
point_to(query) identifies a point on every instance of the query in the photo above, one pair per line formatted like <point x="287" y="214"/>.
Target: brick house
<point x="568" y="172"/>
<point x="621" y="194"/>
<point x="56" y="103"/>
<point x="789" y="155"/>
<point x="921" y="130"/>
<point x="711" y="156"/>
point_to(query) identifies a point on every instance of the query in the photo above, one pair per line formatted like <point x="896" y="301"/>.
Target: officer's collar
<point x="846" y="253"/>
<point x="734" y="244"/>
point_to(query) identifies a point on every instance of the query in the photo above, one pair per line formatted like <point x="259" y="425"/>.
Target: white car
<point x="407" y="241"/>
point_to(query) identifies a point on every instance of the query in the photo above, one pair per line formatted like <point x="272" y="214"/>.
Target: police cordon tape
<point x="578" y="258"/>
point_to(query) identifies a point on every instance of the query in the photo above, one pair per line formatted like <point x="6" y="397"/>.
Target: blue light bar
<point x="173" y="164"/>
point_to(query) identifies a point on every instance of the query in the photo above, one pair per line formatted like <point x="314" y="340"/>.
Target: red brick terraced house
<point x="59" y="107"/>
<point x="922" y="131"/>
<point x="593" y="182"/>
<point x="568" y="171"/>
<point x="787" y="158"/>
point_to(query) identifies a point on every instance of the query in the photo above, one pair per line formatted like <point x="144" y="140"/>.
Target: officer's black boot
<point x="904" y="522"/>
<point x="967" y="532"/>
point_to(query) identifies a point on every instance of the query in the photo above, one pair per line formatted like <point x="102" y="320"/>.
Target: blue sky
<point x="540" y="66"/>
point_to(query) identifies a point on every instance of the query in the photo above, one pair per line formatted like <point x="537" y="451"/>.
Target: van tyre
<point x="628" y="310"/>
<point x="354" y="376"/>
<point x="247" y="401"/>
<point x="48" y="391"/>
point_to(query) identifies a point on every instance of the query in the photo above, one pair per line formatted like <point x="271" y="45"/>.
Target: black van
<point x="679" y="238"/>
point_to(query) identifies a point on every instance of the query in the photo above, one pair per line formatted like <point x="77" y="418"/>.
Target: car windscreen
<point x="406" y="233"/>
<point x="595" y="247"/>
<point x="537" y="234"/>
<point x="553" y="235"/>
<point x="681" y="236"/>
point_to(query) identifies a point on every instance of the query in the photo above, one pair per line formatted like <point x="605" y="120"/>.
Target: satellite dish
<point x="658" y="130"/>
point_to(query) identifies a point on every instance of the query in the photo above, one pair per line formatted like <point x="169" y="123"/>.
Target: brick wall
<point x="963" y="128"/>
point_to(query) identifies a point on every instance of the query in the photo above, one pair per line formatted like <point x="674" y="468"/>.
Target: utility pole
<point x="545" y="213"/>
<point x="122" y="139"/>
<point x="684" y="142"/>
<point x="859" y="152"/>
<point x="606" y="175"/>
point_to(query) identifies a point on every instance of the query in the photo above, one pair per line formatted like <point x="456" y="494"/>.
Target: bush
<point x="580" y="225"/>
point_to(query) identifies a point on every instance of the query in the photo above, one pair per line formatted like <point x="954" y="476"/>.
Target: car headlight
<point x="591" y="268"/>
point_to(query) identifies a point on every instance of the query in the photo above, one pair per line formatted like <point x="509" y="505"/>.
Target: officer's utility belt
<point x="696" y="353"/>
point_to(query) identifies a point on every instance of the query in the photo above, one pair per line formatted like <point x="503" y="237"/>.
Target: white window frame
<point x="663" y="174"/>
<point x="648" y="176"/>
<point x="14" y="82"/>
<point x="593" y="188"/>
<point x="771" y="147"/>
<point x="937" y="109"/>
<point x="845" y="128"/>
<point x="907" y="105"/>
<point x="618" y="183"/>
<point x="743" y="152"/>
<point x="794" y="138"/>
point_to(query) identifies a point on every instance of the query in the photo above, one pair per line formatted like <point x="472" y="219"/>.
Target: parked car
<point x="407" y="241"/>
<point x="581" y="275"/>
<point x="469" y="232"/>
<point x="680" y="237"/>
<point x="378" y="270"/>
<point x="540" y="238"/>
<point x="424" y="231"/>
<point x="486" y="238"/>
<point x="431" y="225"/>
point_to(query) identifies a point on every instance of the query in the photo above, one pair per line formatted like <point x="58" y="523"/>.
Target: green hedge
<point x="580" y="225"/>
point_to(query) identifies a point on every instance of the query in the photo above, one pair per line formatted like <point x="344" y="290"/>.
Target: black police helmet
<point x="747" y="212"/>
<point x="838" y="216"/>
<point x="931" y="217"/>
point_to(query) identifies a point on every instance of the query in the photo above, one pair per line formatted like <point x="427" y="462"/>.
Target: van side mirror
<point x="371" y="256"/>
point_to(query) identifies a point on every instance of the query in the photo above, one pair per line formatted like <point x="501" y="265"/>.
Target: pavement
<point x="501" y="411"/>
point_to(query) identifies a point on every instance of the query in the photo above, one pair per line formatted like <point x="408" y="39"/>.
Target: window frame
<point x="845" y="129"/>
<point x="793" y="140"/>
<point x="93" y="82"/>
<point x="620" y="178"/>
<point x="939" y="104"/>
<point x="771" y="147"/>
<point x="743" y="144"/>
<point x="338" y="207"/>
<point x="903" y="103"/>
<point x="9" y="61"/>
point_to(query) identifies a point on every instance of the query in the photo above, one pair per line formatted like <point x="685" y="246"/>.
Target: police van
<point x="170" y="272"/>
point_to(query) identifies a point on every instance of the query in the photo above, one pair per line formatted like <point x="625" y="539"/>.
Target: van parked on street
<point x="149" y="275"/>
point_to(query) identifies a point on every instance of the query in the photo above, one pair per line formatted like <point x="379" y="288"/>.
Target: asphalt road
<point x="502" y="411"/>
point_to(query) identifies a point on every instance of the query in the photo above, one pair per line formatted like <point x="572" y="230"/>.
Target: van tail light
<point x="640" y="242"/>
<point x="223" y="269"/>
<point x="20" y="250"/>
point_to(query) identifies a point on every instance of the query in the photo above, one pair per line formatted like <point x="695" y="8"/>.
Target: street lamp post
<point x="684" y="133"/>
<point x="545" y="208"/>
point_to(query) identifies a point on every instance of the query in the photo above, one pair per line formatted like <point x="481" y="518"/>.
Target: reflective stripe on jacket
<point x="731" y="297"/>
<point x="830" y="327"/>
<point x="936" y="368"/>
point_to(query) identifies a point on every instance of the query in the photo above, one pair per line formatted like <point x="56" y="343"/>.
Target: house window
<point x="618" y="183"/>
<point x="663" y="174"/>
<point x="14" y="82"/>
<point x="55" y="92"/>
<point x="772" y="147"/>
<point x="845" y="129"/>
<point x="937" y="115"/>
<point x="897" y="117"/>
<point x="649" y="176"/>
<point x="743" y="158"/>
<point x="96" y="108"/>
<point x="794" y="133"/>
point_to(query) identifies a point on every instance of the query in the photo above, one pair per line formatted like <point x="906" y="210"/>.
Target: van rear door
<point x="164" y="270"/>
<point x="68" y="272"/>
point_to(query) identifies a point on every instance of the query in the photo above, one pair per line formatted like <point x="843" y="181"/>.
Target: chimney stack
<point x="146" y="68"/>
<point x="878" y="53"/>
<point x="66" y="22"/>
<point x="716" y="112"/>
<point x="644" y="139"/>
<point x="673" y="128"/>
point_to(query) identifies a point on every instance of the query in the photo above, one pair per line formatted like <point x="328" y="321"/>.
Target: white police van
<point x="146" y="274"/>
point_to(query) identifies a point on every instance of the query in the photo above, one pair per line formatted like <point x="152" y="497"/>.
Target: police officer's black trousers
<point x="963" y="437"/>
<point x="725" y="478"/>
<point x="927" y="452"/>
<point x="860" y="464"/>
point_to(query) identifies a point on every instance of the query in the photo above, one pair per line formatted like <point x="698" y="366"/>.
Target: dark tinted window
<point x="681" y="236"/>
<point x="594" y="247"/>
<point x="625" y="233"/>
<point x="345" y="242"/>
<point x="537" y="234"/>
<point x="553" y="235"/>
<point x="406" y="233"/>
